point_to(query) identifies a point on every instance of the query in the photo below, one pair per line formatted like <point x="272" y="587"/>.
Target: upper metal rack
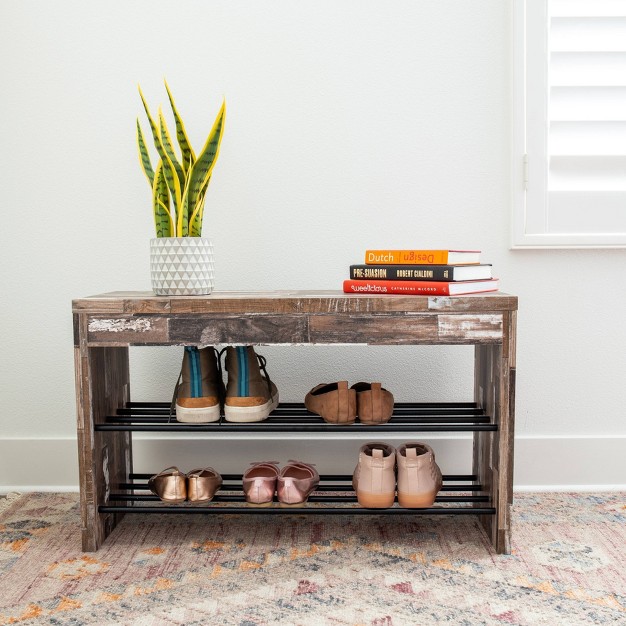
<point x="293" y="417"/>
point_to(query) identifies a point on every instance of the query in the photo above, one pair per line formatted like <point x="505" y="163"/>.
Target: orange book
<point x="422" y="257"/>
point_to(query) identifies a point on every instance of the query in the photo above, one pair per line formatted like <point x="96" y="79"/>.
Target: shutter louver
<point x="586" y="142"/>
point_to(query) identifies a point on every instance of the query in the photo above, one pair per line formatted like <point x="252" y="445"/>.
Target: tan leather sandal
<point x="334" y="402"/>
<point x="374" y="404"/>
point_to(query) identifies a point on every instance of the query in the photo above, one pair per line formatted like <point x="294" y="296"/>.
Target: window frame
<point x="529" y="141"/>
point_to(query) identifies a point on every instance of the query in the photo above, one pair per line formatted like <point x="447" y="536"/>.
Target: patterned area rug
<point x="567" y="567"/>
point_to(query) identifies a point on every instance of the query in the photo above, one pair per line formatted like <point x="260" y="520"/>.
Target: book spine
<point x="406" y="257"/>
<point x="396" y="287"/>
<point x="402" y="272"/>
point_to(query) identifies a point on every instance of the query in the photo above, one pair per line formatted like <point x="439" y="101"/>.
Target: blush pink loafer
<point x="296" y="482"/>
<point x="259" y="483"/>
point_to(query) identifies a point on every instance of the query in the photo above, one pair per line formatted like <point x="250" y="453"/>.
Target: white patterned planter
<point x="181" y="266"/>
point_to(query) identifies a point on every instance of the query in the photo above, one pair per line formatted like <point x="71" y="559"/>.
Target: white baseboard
<point x="573" y="463"/>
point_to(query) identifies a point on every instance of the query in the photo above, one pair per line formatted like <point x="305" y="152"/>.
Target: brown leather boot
<point x="374" y="405"/>
<point x="419" y="477"/>
<point x="374" y="478"/>
<point x="333" y="401"/>
<point x="201" y="387"/>
<point x="250" y="394"/>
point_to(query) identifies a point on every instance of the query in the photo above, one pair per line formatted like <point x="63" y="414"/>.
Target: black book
<point x="452" y="273"/>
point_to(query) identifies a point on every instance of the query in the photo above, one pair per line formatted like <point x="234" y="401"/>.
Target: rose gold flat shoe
<point x="259" y="483"/>
<point x="296" y="482"/>
<point x="170" y="485"/>
<point x="202" y="484"/>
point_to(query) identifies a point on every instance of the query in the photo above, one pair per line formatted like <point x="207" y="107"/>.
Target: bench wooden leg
<point x="104" y="458"/>
<point x="494" y="390"/>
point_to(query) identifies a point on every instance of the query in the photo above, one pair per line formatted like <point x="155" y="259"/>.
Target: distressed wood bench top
<point x="291" y="317"/>
<point x="288" y="302"/>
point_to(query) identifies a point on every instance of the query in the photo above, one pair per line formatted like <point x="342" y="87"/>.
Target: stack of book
<point x="421" y="272"/>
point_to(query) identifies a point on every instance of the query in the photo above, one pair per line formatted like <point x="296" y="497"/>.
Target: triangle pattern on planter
<point x="182" y="266"/>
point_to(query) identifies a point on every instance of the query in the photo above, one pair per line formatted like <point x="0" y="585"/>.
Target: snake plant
<point x="178" y="183"/>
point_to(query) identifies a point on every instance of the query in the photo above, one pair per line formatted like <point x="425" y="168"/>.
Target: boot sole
<point x="245" y="414"/>
<point x="422" y="501"/>
<point x="201" y="415"/>
<point x="375" y="500"/>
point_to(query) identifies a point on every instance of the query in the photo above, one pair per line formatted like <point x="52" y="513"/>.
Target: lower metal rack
<point x="334" y="489"/>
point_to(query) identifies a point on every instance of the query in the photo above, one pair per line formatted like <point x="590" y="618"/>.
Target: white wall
<point x="350" y="125"/>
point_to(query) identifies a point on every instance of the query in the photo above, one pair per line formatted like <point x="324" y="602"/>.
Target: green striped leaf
<point x="202" y="168"/>
<point x="195" y="221"/>
<point x="144" y="156"/>
<point x="171" y="177"/>
<point x="189" y="156"/>
<point x="167" y="144"/>
<point x="160" y="204"/>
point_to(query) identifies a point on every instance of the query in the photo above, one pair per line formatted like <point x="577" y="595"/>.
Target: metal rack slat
<point x="325" y="477"/>
<point x="293" y="417"/>
<point x="312" y="510"/>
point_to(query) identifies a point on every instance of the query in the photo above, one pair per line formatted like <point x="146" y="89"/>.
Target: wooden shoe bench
<point x="106" y="325"/>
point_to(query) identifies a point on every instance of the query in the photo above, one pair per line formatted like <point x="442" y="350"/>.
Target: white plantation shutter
<point x="575" y="81"/>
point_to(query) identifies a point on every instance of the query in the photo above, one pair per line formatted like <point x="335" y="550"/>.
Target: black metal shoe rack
<point x="460" y="494"/>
